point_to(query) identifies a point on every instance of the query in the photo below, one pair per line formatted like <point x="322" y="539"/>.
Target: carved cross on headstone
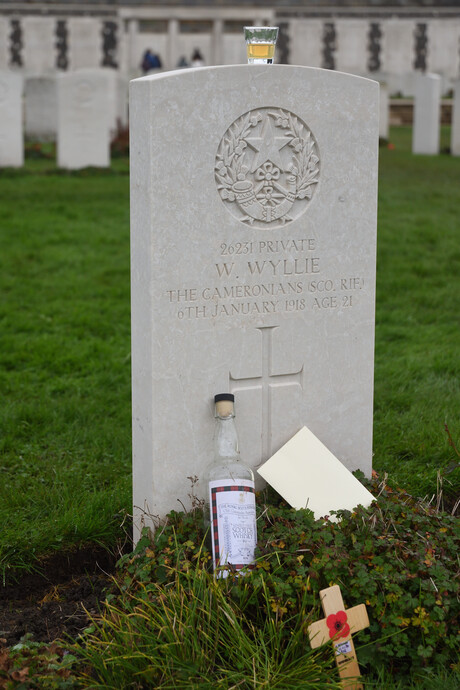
<point x="266" y="381"/>
<point x="337" y="628"/>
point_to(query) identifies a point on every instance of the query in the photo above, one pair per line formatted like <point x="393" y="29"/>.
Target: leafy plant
<point x="30" y="664"/>
<point x="399" y="557"/>
<point x="119" y="146"/>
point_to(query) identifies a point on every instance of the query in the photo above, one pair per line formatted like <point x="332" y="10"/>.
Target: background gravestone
<point x="455" y="132"/>
<point x="118" y="100"/>
<point x="425" y="133"/>
<point x="384" y="121"/>
<point x="40" y="106"/>
<point x="84" y="119"/>
<point x="253" y="221"/>
<point x="11" y="135"/>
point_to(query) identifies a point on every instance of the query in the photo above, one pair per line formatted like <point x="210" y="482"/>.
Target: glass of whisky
<point x="260" y="44"/>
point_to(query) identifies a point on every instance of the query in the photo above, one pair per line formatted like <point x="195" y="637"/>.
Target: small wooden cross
<point x="337" y="627"/>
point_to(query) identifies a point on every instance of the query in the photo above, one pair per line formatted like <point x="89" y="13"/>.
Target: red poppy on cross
<point x="338" y="626"/>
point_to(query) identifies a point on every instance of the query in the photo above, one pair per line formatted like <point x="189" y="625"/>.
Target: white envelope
<point x="307" y="475"/>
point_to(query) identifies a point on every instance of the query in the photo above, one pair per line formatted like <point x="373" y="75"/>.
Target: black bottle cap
<point x="224" y="396"/>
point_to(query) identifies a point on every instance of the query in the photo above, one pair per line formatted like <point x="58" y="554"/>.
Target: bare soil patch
<point x="53" y="604"/>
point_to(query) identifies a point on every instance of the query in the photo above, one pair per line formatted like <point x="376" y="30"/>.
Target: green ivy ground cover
<point x="399" y="557"/>
<point x="168" y="623"/>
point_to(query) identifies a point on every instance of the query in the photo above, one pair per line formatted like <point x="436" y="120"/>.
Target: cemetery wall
<point x="384" y="40"/>
<point x="402" y="111"/>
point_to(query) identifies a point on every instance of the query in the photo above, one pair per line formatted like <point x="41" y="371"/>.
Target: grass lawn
<point x="65" y="358"/>
<point x="417" y="382"/>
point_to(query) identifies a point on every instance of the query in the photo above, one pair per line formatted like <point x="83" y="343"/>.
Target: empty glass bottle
<point x="232" y="503"/>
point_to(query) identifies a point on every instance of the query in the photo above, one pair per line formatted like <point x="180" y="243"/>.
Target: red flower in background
<point x="337" y="624"/>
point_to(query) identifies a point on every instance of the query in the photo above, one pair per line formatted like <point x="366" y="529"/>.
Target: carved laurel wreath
<point x="231" y="168"/>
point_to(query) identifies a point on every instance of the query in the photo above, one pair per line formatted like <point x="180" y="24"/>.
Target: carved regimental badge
<point x="267" y="167"/>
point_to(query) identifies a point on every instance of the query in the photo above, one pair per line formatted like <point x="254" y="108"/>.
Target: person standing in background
<point x="197" y="59"/>
<point x="150" y="61"/>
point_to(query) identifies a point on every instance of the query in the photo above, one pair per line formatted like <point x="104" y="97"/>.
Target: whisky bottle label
<point x="233" y="522"/>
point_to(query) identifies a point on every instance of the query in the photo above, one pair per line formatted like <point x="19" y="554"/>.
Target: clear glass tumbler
<point x="260" y="44"/>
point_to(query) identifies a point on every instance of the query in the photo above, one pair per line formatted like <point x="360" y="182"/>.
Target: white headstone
<point x="5" y="29"/>
<point x="84" y="118"/>
<point x="455" y="129"/>
<point x="426" y="127"/>
<point x="254" y="198"/>
<point x="40" y="108"/>
<point x="11" y="135"/>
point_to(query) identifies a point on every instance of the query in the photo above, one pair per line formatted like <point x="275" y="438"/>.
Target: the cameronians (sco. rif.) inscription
<point x="267" y="167"/>
<point x="258" y="277"/>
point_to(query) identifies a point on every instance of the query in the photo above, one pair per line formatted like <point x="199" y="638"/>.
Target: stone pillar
<point x="455" y="130"/>
<point x="110" y="40"/>
<point x="16" y="37"/>
<point x="133" y="56"/>
<point x="4" y="42"/>
<point x="217" y="46"/>
<point x="85" y="42"/>
<point x="425" y="133"/>
<point x="329" y="46"/>
<point x="173" y="30"/>
<point x="61" y="33"/>
<point x="39" y="44"/>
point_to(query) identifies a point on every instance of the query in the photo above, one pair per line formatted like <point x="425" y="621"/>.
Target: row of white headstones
<point x="81" y="110"/>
